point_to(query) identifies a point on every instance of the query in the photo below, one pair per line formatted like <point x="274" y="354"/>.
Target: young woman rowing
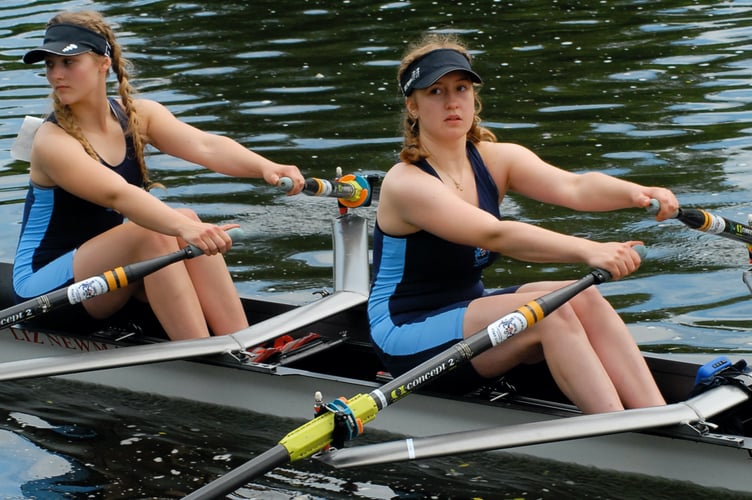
<point x="432" y="243"/>
<point x="88" y="208"/>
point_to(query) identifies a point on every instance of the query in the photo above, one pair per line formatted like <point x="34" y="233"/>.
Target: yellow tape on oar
<point x="315" y="435"/>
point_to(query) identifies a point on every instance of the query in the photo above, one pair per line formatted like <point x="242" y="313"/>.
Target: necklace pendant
<point x="458" y="186"/>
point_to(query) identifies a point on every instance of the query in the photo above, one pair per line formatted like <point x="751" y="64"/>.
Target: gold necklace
<point x="457" y="185"/>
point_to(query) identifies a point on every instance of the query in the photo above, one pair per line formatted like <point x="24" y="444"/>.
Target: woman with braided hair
<point x="438" y="225"/>
<point x="88" y="175"/>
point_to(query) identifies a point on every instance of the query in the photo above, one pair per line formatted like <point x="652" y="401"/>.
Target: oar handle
<point x="234" y="233"/>
<point x="351" y="190"/>
<point x="655" y="207"/>
<point x="707" y="222"/>
<point x="285" y="184"/>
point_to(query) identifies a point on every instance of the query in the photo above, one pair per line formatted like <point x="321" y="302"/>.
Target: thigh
<point x="420" y="333"/>
<point x="485" y="310"/>
<point x="524" y="347"/>
<point x="119" y="246"/>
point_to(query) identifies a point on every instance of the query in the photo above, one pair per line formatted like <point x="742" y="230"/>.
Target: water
<point x="655" y="92"/>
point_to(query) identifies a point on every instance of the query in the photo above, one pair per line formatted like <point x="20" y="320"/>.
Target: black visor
<point x="425" y="71"/>
<point x="68" y="40"/>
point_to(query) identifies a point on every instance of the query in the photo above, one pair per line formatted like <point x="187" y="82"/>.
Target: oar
<point x="707" y="222"/>
<point x="317" y="434"/>
<point x="351" y="190"/>
<point x="697" y="409"/>
<point x="89" y="288"/>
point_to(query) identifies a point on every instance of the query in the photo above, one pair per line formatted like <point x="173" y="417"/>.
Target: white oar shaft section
<point x="697" y="409"/>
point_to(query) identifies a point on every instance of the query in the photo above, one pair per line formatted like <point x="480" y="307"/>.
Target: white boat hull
<point x="289" y="393"/>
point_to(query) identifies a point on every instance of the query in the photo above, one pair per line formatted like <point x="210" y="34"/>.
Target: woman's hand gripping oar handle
<point x="351" y="190"/>
<point x="317" y="434"/>
<point x="707" y="222"/>
<point x="115" y="278"/>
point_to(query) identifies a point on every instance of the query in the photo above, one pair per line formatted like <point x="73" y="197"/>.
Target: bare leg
<point x="595" y="374"/>
<point x="560" y="339"/>
<point x="614" y="346"/>
<point x="170" y="291"/>
<point x="216" y="292"/>
<point x="618" y="351"/>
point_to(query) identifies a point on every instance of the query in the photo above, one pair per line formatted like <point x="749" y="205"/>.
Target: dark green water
<point x="655" y="92"/>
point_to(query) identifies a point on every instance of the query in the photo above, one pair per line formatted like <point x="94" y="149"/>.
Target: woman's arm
<point x="58" y="159"/>
<point x="218" y="153"/>
<point x="412" y="200"/>
<point x="525" y="173"/>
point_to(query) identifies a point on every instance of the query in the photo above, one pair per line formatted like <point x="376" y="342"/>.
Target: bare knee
<point x="591" y="298"/>
<point x="151" y="243"/>
<point x="189" y="213"/>
<point x="562" y="324"/>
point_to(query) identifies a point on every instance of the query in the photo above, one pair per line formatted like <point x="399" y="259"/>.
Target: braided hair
<point x="95" y="22"/>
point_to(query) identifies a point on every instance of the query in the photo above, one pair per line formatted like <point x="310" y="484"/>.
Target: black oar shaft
<point x="351" y="190"/>
<point x="270" y="459"/>
<point x="88" y="288"/>
<point x="315" y="186"/>
<point x="115" y="278"/>
<point x="496" y="333"/>
<point x="707" y="222"/>
<point x="333" y="189"/>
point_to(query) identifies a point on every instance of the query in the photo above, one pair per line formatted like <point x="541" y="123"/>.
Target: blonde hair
<point x="411" y="148"/>
<point x="95" y="22"/>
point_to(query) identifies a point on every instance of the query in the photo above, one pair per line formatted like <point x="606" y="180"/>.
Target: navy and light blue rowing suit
<point x="55" y="223"/>
<point x="422" y="283"/>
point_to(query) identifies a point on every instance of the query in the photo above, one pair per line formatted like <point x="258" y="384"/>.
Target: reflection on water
<point x="656" y="92"/>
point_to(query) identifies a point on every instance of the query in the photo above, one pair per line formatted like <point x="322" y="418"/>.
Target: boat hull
<point x="286" y="391"/>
